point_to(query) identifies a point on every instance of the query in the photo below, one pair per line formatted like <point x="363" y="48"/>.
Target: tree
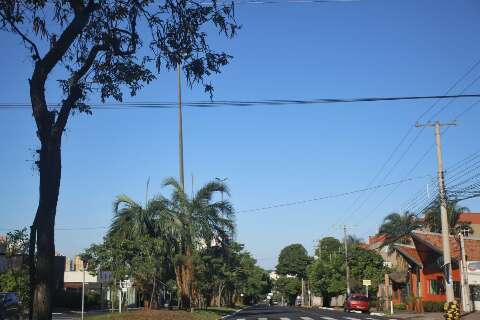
<point x="327" y="277"/>
<point x="398" y="227"/>
<point x="193" y="221"/>
<point x="365" y="264"/>
<point x="97" y="43"/>
<point x="433" y="221"/>
<point x="327" y="247"/>
<point x="293" y="260"/>
<point x="15" y="277"/>
<point x="289" y="287"/>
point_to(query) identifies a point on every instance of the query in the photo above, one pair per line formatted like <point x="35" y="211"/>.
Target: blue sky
<point x="270" y="155"/>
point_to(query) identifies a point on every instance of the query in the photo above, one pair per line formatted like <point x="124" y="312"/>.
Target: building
<point x="424" y="277"/>
<point x="473" y="219"/>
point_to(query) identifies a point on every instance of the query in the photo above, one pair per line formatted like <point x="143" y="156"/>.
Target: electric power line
<point x="239" y="103"/>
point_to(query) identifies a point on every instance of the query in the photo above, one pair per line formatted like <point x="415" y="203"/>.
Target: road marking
<point x="261" y="318"/>
<point x="284" y="318"/>
<point x="371" y="319"/>
<point x="328" y="318"/>
<point x="350" y="318"/>
<point x="240" y="319"/>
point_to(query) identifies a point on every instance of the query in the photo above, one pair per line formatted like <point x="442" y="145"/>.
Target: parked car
<point x="359" y="302"/>
<point x="9" y="309"/>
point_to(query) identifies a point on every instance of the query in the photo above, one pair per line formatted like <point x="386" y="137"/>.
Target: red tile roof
<point x="410" y="253"/>
<point x="473" y="217"/>
<point x="472" y="245"/>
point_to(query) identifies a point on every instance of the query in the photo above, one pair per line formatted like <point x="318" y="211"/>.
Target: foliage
<point x="433" y="220"/>
<point x="293" y="260"/>
<point x="327" y="247"/>
<point x="398" y="227"/>
<point x="400" y="306"/>
<point x="327" y="277"/>
<point x="100" y="48"/>
<point x="365" y="264"/>
<point x="16" y="276"/>
<point x="289" y="287"/>
<point x="182" y="242"/>
<point x="433" y="306"/>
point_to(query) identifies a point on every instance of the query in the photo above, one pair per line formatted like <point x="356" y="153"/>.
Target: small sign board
<point x="473" y="272"/>
<point x="367" y="282"/>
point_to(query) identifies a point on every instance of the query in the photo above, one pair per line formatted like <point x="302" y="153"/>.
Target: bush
<point x="400" y="306"/>
<point x="433" y="306"/>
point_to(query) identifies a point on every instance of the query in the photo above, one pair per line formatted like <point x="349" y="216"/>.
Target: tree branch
<point x="44" y="66"/>
<point x="32" y="44"/>
<point x="75" y="92"/>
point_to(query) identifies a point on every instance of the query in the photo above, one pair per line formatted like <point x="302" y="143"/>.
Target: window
<point x="436" y="287"/>
<point x="465" y="231"/>
<point x="456" y="289"/>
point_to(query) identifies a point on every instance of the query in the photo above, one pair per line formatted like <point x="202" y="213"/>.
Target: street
<point x="264" y="312"/>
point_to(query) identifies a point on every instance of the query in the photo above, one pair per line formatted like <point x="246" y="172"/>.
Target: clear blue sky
<point x="270" y="155"/>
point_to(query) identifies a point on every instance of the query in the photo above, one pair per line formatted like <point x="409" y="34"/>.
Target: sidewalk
<point x="431" y="316"/>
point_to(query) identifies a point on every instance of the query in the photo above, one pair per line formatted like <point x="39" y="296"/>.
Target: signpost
<point x="367" y="283"/>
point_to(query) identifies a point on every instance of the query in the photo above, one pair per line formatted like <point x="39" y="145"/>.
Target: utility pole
<point x="180" y="128"/>
<point x="447" y="260"/>
<point x="347" y="268"/>
<point x="464" y="277"/>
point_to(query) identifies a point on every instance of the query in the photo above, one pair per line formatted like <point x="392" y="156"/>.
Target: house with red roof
<point x="417" y="265"/>
<point x="424" y="277"/>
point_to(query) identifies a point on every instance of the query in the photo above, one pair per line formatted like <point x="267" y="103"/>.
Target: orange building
<point x="425" y="277"/>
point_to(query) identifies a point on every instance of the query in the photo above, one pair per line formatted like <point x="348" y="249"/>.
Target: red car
<point x="358" y="302"/>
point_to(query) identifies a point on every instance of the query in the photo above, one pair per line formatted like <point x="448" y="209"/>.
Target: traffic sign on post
<point x="367" y="283"/>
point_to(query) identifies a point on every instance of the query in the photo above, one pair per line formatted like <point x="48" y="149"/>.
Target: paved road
<point x="264" y="312"/>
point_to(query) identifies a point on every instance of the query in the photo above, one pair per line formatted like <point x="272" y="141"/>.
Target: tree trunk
<point x="50" y="173"/>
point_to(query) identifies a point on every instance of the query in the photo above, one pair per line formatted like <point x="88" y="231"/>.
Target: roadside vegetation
<point x="179" y="250"/>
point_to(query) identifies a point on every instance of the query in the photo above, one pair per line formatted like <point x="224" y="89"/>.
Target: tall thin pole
<point x="180" y="128"/>
<point x="83" y="291"/>
<point x="146" y="192"/>
<point x="347" y="268"/>
<point x="464" y="277"/>
<point x="447" y="260"/>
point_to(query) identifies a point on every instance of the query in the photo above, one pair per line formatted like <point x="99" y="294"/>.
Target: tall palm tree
<point x="397" y="227"/>
<point x="432" y="218"/>
<point x="193" y="223"/>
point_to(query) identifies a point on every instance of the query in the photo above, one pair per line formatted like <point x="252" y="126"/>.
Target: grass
<point x="209" y="314"/>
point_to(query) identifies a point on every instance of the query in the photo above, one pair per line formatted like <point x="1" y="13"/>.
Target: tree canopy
<point x="293" y="260"/>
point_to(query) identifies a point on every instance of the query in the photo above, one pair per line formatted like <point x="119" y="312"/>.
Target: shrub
<point x="400" y="306"/>
<point x="432" y="306"/>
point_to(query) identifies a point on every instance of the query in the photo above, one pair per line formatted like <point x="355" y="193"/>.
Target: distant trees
<point x="293" y="260"/>
<point x="326" y="274"/>
<point x="433" y="221"/>
<point x="16" y="276"/>
<point x="398" y="227"/>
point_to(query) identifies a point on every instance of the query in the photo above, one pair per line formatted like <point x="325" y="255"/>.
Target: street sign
<point x="367" y="282"/>
<point x="473" y="272"/>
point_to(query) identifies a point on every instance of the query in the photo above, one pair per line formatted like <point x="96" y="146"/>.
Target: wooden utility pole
<point x="180" y="128"/>
<point x="347" y="268"/>
<point x="447" y="260"/>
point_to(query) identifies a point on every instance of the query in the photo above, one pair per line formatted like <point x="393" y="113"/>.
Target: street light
<point x="221" y="181"/>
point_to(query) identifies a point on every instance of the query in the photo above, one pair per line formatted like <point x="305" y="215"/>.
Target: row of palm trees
<point x="183" y="223"/>
<point x="397" y="227"/>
